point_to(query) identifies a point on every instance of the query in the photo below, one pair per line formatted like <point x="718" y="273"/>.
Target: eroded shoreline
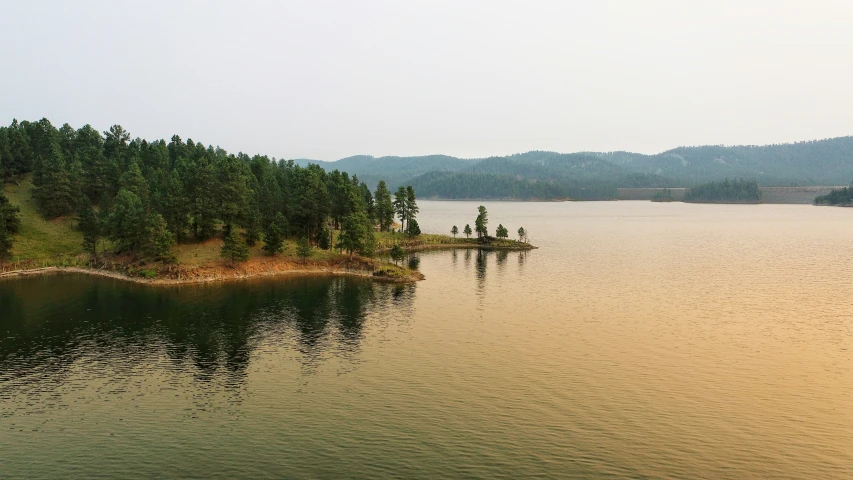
<point x="175" y="275"/>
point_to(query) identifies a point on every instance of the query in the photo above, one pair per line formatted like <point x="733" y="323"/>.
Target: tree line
<point x="146" y="196"/>
<point x="726" y="191"/>
<point x="841" y="196"/>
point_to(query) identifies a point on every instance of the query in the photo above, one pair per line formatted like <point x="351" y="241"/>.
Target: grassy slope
<point x="40" y="239"/>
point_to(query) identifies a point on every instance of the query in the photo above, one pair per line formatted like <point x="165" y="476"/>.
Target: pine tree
<point x="19" y="152"/>
<point x="205" y="205"/>
<point x="127" y="221"/>
<point x="52" y="187"/>
<point x="232" y="191"/>
<point x="253" y="228"/>
<point x="411" y="204"/>
<point x="369" y="245"/>
<point x="133" y="181"/>
<point x="99" y="175"/>
<point x="482" y="222"/>
<point x="90" y="225"/>
<point x="274" y="235"/>
<point x="522" y="234"/>
<point x="454" y="231"/>
<point x="413" y="230"/>
<point x="368" y="202"/>
<point x="324" y="239"/>
<point x="501" y="231"/>
<point x="159" y="239"/>
<point x="174" y="206"/>
<point x="397" y="253"/>
<point x="9" y="213"/>
<point x="303" y="248"/>
<point x="467" y="231"/>
<point x="384" y="207"/>
<point x="234" y="250"/>
<point x="354" y="231"/>
<point x="6" y="240"/>
<point x="400" y="199"/>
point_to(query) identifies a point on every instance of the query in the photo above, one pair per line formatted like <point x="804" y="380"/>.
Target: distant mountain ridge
<point x="548" y="175"/>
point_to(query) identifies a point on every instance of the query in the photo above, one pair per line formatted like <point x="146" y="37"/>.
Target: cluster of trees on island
<point x="146" y="196"/>
<point x="726" y="191"/>
<point x="481" y="224"/>
<point x="664" y="195"/>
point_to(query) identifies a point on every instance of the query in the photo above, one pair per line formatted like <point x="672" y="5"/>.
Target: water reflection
<point x="50" y="323"/>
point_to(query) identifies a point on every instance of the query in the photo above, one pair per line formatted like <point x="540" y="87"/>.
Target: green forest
<point x="841" y="196"/>
<point x="142" y="197"/>
<point x="484" y="186"/>
<point x="541" y="175"/>
<point x="726" y="191"/>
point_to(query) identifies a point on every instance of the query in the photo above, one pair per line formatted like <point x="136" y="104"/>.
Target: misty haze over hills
<point x="590" y="175"/>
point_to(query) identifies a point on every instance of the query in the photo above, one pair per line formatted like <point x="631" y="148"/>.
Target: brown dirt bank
<point x="254" y="268"/>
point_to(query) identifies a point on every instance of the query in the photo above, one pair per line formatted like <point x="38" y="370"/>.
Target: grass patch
<point x="39" y="239"/>
<point x="389" y="270"/>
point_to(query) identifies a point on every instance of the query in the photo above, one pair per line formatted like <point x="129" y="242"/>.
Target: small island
<point x="178" y="212"/>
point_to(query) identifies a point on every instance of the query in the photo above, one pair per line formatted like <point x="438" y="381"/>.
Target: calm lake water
<point x="640" y="341"/>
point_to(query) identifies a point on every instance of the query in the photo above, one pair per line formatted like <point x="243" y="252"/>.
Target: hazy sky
<point x="324" y="80"/>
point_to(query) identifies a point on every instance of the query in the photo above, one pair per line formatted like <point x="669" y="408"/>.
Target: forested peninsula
<point x="842" y="197"/>
<point x="181" y="211"/>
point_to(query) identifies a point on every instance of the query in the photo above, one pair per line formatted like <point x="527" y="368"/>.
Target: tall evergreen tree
<point x="90" y="225"/>
<point x="205" y="204"/>
<point x="400" y="206"/>
<point x="303" y="248"/>
<point x="9" y="213"/>
<point x="6" y="240"/>
<point x="173" y="204"/>
<point x="274" y="235"/>
<point x="368" y="202"/>
<point x="159" y="239"/>
<point x="412" y="209"/>
<point x="232" y="191"/>
<point x="355" y="229"/>
<point x="384" y="207"/>
<point x="234" y="249"/>
<point x="52" y="186"/>
<point x="413" y="229"/>
<point x="133" y="181"/>
<point x="100" y="176"/>
<point x="127" y="221"/>
<point x="19" y="154"/>
<point x="482" y="222"/>
<point x="501" y="231"/>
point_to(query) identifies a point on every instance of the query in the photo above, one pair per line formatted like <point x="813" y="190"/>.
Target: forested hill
<point x="540" y="175"/>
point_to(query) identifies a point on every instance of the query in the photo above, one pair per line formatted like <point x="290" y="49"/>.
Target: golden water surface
<point x="641" y="340"/>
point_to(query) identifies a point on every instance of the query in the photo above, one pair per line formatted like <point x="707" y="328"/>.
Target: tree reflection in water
<point x="51" y="323"/>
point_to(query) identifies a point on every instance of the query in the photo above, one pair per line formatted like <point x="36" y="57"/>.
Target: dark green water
<point x="641" y="341"/>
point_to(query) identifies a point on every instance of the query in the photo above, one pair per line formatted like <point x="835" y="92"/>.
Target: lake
<point x="641" y="340"/>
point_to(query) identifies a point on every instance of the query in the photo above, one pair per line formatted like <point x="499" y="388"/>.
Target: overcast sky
<point x="325" y="80"/>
